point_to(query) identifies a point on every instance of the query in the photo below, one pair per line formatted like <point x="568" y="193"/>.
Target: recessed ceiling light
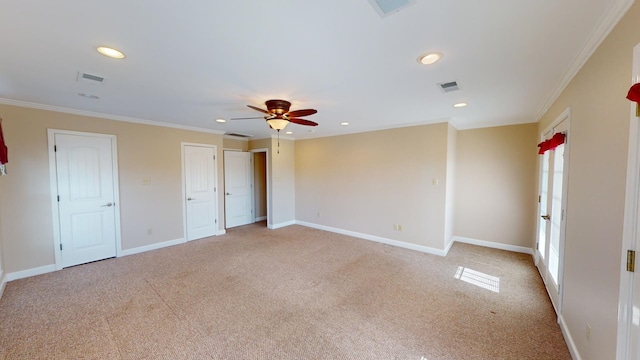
<point x="221" y="120"/>
<point x="460" y="105"/>
<point x="429" y="58"/>
<point x="88" y="96"/>
<point x="110" y="52"/>
<point x="289" y="132"/>
<point x="344" y="123"/>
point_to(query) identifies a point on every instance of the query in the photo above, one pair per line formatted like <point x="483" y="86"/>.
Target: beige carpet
<point x="291" y="293"/>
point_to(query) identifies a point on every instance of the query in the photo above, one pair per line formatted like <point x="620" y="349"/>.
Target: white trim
<point x="150" y="247"/>
<point x="448" y="246"/>
<point x="573" y="349"/>
<point x="231" y="137"/>
<point x="184" y="184"/>
<point x="222" y="231"/>
<point x="65" y="110"/>
<point x="281" y="225"/>
<point x="608" y="22"/>
<point x="261" y="218"/>
<point x="402" y="244"/>
<point x="494" y="245"/>
<point x="3" y="282"/>
<point x="53" y="188"/>
<point x="630" y="224"/>
<point x="31" y="272"/>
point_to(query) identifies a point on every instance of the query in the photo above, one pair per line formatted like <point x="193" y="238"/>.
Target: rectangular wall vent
<point x="237" y="135"/>
<point x="89" y="78"/>
<point x="449" y="86"/>
<point x="387" y="7"/>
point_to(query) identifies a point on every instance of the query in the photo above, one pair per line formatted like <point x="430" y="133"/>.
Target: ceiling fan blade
<point x="303" y="122"/>
<point x="258" y="109"/>
<point x="247" y="118"/>
<point x="303" y="112"/>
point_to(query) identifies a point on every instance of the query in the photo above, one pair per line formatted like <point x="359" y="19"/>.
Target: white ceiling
<point x="190" y="62"/>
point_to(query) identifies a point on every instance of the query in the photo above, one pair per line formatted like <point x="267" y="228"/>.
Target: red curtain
<point x="3" y="148"/>
<point x="556" y="140"/>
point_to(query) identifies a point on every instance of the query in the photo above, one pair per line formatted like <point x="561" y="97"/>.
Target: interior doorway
<point x="260" y="185"/>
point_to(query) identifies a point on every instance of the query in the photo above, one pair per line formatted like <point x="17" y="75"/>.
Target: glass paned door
<point x="550" y="240"/>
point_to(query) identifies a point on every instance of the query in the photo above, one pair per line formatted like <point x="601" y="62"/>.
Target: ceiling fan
<point x="278" y="115"/>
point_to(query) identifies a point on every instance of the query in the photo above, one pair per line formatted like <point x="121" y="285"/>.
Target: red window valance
<point x="556" y="140"/>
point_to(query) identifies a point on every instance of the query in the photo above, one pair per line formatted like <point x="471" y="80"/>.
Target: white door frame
<point x="53" y="186"/>
<point x="565" y="116"/>
<point x="184" y="182"/>
<point x="268" y="187"/>
<point x="631" y="223"/>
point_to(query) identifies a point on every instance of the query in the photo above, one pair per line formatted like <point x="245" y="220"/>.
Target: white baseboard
<point x="3" y="282"/>
<point x="575" y="355"/>
<point x="281" y="225"/>
<point x="402" y="244"/>
<point x="448" y="246"/>
<point x="261" y="218"/>
<point x="31" y="272"/>
<point x="494" y="245"/>
<point x="221" y="232"/>
<point x="155" y="246"/>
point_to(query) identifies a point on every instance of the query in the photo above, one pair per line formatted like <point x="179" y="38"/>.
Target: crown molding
<point x="32" y="105"/>
<point x="616" y="12"/>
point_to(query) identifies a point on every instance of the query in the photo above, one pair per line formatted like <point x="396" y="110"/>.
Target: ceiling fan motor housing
<point x="278" y="107"/>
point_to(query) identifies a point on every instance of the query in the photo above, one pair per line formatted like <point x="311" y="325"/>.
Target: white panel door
<point x="238" y="188"/>
<point x="200" y="191"/>
<point x="86" y="205"/>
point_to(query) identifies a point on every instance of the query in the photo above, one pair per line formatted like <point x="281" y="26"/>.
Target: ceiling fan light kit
<point x="278" y="115"/>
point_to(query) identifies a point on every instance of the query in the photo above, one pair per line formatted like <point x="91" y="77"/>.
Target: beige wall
<point x="143" y="152"/>
<point x="283" y="181"/>
<point x="370" y="181"/>
<point x="496" y="181"/>
<point x="597" y="171"/>
<point x="230" y="143"/>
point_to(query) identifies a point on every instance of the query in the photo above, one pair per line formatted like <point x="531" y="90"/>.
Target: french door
<point x="551" y="211"/>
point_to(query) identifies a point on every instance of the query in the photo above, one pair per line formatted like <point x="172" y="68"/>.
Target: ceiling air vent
<point x="449" y="86"/>
<point x="89" y="78"/>
<point x="387" y="7"/>
<point x="237" y="135"/>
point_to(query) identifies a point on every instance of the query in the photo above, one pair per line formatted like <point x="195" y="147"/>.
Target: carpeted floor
<point x="291" y="293"/>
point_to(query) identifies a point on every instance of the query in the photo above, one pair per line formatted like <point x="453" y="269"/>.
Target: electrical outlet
<point x="146" y="181"/>
<point x="149" y="231"/>
<point x="399" y="227"/>
<point x="588" y="332"/>
<point x="319" y="214"/>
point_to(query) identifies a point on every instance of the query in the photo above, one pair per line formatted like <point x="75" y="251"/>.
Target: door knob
<point x="228" y="194"/>
<point x="109" y="204"/>
<point x="189" y="199"/>
<point x="546" y="217"/>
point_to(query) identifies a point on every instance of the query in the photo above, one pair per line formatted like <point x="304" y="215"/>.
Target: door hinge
<point x="55" y="148"/>
<point x="537" y="246"/>
<point x="216" y="221"/>
<point x="60" y="246"/>
<point x="631" y="260"/>
<point x="539" y="198"/>
<point x="58" y="198"/>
